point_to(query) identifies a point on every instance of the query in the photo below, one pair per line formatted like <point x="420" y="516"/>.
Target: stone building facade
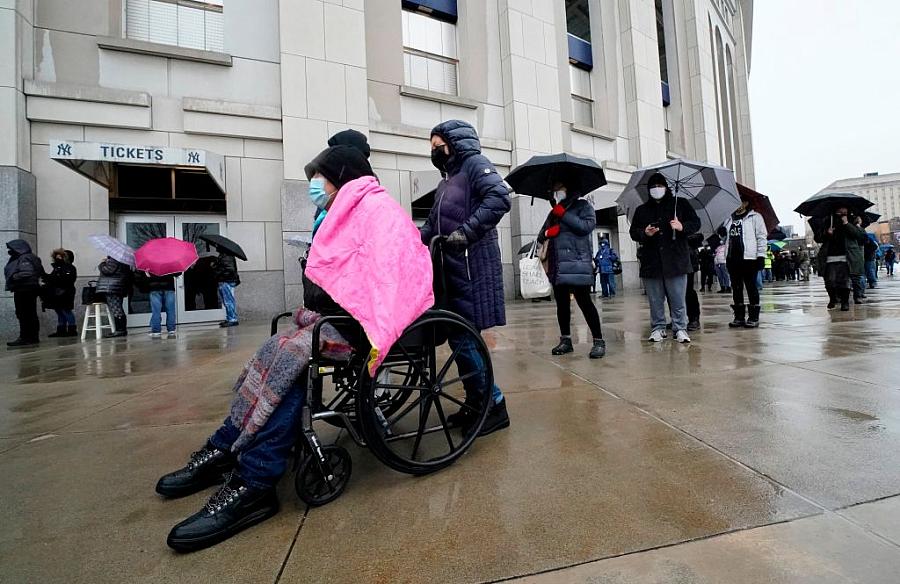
<point x="147" y="117"/>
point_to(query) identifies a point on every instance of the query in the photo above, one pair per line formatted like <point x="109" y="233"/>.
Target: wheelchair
<point x="399" y="413"/>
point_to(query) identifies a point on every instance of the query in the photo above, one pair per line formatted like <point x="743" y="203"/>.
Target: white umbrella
<point x="113" y="248"/>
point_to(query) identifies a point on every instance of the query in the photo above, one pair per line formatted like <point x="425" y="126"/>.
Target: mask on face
<point x="559" y="196"/>
<point x="439" y="158"/>
<point x="658" y="193"/>
<point x="317" y="193"/>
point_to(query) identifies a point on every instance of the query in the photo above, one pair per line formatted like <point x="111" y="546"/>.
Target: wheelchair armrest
<point x="276" y="319"/>
<point x="317" y="328"/>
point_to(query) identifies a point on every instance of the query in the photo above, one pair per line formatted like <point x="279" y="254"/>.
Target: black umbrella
<point x="225" y="245"/>
<point x="526" y="248"/>
<point x="868" y="218"/>
<point x="777" y="235"/>
<point x="824" y="204"/>
<point x="537" y="176"/>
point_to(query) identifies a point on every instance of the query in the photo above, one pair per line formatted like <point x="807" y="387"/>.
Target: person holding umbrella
<point x="225" y="270"/>
<point x="662" y="227"/>
<point x="568" y="229"/>
<point x="746" y="248"/>
<point x="840" y="255"/>
<point x="162" y="260"/>
<point x="115" y="284"/>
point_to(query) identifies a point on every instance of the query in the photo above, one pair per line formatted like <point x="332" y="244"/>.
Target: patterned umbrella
<point x="165" y="256"/>
<point x="710" y="190"/>
<point x="113" y="248"/>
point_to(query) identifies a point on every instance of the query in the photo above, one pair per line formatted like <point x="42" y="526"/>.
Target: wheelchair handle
<point x="275" y="320"/>
<point x="317" y="328"/>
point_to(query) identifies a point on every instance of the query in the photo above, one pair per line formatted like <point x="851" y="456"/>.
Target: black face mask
<point x="439" y="158"/>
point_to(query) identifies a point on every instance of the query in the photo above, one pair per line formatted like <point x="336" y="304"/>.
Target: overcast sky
<point x="824" y="95"/>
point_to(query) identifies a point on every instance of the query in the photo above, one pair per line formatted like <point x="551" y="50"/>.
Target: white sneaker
<point x="682" y="337"/>
<point x="171" y="335"/>
<point x="155" y="335"/>
<point x="656" y="337"/>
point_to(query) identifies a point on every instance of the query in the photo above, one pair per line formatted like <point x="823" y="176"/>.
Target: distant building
<point x="881" y="189"/>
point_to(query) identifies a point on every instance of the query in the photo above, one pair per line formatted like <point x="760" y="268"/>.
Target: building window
<point x="661" y="46"/>
<point x="193" y="24"/>
<point x="578" y="26"/>
<point x="582" y="98"/>
<point x="430" y="57"/>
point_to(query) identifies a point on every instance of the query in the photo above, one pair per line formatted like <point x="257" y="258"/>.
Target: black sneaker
<point x="564" y="346"/>
<point x="693" y="325"/>
<point x="597" y="351"/>
<point x="497" y="419"/>
<point x="228" y="323"/>
<point x="207" y="467"/>
<point x="233" y="508"/>
<point x="464" y="417"/>
<point x="21" y="343"/>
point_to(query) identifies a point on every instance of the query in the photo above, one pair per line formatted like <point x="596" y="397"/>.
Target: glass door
<point x="198" y="293"/>
<point x="135" y="231"/>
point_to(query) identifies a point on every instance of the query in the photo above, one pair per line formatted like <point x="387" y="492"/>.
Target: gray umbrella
<point x="710" y="190"/>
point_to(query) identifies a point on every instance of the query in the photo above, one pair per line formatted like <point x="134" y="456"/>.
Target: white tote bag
<point x="532" y="277"/>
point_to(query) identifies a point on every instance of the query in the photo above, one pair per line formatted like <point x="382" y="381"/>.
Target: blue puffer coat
<point x="571" y="258"/>
<point x="472" y="196"/>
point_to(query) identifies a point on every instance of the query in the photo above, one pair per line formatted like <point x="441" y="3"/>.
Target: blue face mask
<point x="317" y="193"/>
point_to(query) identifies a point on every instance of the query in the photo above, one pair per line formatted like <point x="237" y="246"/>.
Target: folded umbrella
<point x="710" y="190"/>
<point x="225" y="245"/>
<point x="526" y="248"/>
<point x="113" y="248"/>
<point x="165" y="256"/>
<point x="762" y="205"/>
<point x="537" y="176"/>
<point x="824" y="204"/>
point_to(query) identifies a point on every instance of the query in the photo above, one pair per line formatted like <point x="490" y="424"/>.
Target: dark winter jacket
<point x="606" y="259"/>
<point x="849" y="237"/>
<point x="570" y="251"/>
<point x="474" y="198"/>
<point x="707" y="260"/>
<point x="225" y="269"/>
<point x="115" y="278"/>
<point x="150" y="283"/>
<point x="23" y="271"/>
<point x="870" y="250"/>
<point x="59" y="293"/>
<point x="664" y="256"/>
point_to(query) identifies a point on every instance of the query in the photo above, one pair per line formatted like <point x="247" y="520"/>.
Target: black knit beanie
<point x="352" y="138"/>
<point x="340" y="165"/>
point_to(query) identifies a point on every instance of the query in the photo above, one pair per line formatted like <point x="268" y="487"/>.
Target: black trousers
<point x="743" y="275"/>
<point x="706" y="279"/>
<point x="26" y="311"/>
<point x="691" y="301"/>
<point x="564" y="309"/>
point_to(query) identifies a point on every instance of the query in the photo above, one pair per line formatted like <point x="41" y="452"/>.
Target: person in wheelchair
<point x="251" y="449"/>
<point x="469" y="203"/>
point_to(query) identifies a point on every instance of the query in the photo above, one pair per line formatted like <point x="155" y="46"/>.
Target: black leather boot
<point x="753" y="319"/>
<point x="233" y="508"/>
<point x="740" y="312"/>
<point x="207" y="467"/>
<point x="564" y="346"/>
<point x="845" y="300"/>
<point x="598" y="350"/>
<point x="60" y="332"/>
<point x="121" y="323"/>
<point x="72" y="330"/>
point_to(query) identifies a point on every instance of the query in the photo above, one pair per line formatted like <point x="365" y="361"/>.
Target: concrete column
<point x="323" y="90"/>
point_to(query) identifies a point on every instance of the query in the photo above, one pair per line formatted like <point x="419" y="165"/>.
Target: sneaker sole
<point x="184" y="545"/>
<point x="494" y="428"/>
<point x="179" y="492"/>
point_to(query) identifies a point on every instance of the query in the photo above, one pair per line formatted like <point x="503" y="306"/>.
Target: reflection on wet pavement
<point x="767" y="455"/>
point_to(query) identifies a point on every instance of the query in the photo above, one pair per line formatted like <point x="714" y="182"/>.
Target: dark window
<point x="661" y="42"/>
<point x="150" y="189"/>
<point x="144" y="182"/>
<point x="578" y="19"/>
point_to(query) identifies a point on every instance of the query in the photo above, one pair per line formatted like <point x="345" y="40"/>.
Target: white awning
<point x="95" y="159"/>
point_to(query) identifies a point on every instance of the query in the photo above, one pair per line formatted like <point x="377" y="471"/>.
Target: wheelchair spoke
<point x="460" y="404"/>
<point x="460" y="379"/>
<point x="396" y="387"/>
<point x="405" y="412"/>
<point x="440" y="413"/>
<point x="423" y="420"/>
<point x="446" y="366"/>
<point x="413" y="363"/>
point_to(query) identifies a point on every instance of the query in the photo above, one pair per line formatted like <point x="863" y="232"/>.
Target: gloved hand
<point x="761" y="263"/>
<point x="558" y="210"/>
<point x="457" y="240"/>
<point x="552" y="231"/>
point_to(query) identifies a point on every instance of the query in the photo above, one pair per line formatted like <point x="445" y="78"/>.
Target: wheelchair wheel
<point x="442" y="351"/>
<point x="388" y="400"/>
<point x="317" y="484"/>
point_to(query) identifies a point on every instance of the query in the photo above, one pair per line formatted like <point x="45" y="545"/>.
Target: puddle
<point x="853" y="415"/>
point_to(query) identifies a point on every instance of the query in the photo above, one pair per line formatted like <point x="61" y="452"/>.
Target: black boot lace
<point x="202" y="456"/>
<point x="225" y="496"/>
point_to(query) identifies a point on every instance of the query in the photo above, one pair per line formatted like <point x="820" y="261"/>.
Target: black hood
<point x="19" y="246"/>
<point x="340" y="165"/>
<point x="461" y="137"/>
<point x="658" y="178"/>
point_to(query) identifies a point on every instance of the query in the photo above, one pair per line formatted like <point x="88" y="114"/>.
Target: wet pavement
<point x="768" y="455"/>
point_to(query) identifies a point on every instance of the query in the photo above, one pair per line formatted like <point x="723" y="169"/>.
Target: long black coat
<point x="572" y="255"/>
<point x="225" y="269"/>
<point x="60" y="291"/>
<point x="472" y="197"/>
<point x="23" y="271"/>
<point x="664" y="256"/>
<point x="115" y="278"/>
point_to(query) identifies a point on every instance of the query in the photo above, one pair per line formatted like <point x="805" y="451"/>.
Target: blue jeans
<point x="468" y="360"/>
<point x="226" y="294"/>
<point x="768" y="275"/>
<point x="759" y="280"/>
<point x="724" y="277"/>
<point x="608" y="284"/>
<point x="265" y="459"/>
<point x="673" y="290"/>
<point x="64" y="317"/>
<point x="871" y="273"/>
<point x="157" y="299"/>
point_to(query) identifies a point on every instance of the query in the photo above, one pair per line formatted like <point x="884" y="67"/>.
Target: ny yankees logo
<point x="194" y="157"/>
<point x="64" y="150"/>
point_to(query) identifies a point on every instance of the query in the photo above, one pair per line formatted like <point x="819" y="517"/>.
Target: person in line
<point x="840" y="240"/>
<point x="226" y="272"/>
<point x="251" y="450"/>
<point x="606" y="260"/>
<point x="662" y="226"/>
<point x="746" y="250"/>
<point x="706" y="257"/>
<point x="768" y="276"/>
<point x="23" y="272"/>
<point x="870" y="255"/>
<point x="691" y="299"/>
<point x="162" y="296"/>
<point x="568" y="228"/>
<point x="795" y="262"/>
<point x="856" y="257"/>
<point x="890" y="258"/>
<point x="470" y="201"/>
<point x="722" y="269"/>
<point x="59" y="292"/>
<point x="805" y="265"/>
<point x="114" y="283"/>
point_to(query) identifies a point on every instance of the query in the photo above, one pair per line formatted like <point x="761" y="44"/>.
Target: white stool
<point x="96" y="311"/>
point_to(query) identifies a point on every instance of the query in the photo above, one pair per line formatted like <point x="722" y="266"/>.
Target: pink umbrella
<point x="165" y="256"/>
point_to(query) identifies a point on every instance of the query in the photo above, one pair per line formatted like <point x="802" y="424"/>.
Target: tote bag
<point x="532" y="277"/>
